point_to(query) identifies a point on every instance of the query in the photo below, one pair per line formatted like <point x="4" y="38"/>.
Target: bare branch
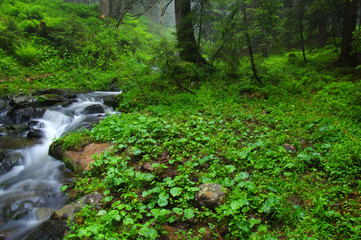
<point x="122" y="14"/>
<point x="150" y="5"/>
<point x="164" y="9"/>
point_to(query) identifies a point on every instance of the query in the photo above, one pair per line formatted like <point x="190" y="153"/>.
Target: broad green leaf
<point x="189" y="213"/>
<point x="242" y="176"/>
<point x="176" y="191"/>
<point x="193" y="189"/>
<point x="162" y="202"/>
<point x="149" y="233"/>
<point x="244" y="225"/>
<point x="178" y="211"/>
<point x="230" y="168"/>
<point x="108" y="199"/>
<point x="128" y="221"/>
<point x="268" y="204"/>
<point x="102" y="213"/>
<point x="239" y="203"/>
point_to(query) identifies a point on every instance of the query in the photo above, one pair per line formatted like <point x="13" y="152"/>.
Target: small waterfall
<point x="34" y="183"/>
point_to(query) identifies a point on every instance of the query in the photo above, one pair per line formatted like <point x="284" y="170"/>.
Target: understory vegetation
<point x="287" y="152"/>
<point x="51" y="44"/>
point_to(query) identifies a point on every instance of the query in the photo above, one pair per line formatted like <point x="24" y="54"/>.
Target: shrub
<point x="27" y="54"/>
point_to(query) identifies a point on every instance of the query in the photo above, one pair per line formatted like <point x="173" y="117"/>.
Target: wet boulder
<point x="35" y="124"/>
<point x="93" y="109"/>
<point x="210" y="195"/>
<point x="56" y="151"/>
<point x="56" y="226"/>
<point x="34" y="134"/>
<point x="111" y="101"/>
<point x="39" y="100"/>
<point x="19" y="127"/>
<point x="35" y="130"/>
<point x="47" y="100"/>
<point x="23" y="115"/>
<point x="22" y="101"/>
<point x="3" y="104"/>
<point x="8" y="160"/>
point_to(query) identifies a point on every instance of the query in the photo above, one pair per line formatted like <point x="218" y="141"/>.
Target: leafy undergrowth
<point x="52" y="44"/>
<point x="288" y="156"/>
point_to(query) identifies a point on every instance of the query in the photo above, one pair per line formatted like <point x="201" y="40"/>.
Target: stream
<point x="30" y="179"/>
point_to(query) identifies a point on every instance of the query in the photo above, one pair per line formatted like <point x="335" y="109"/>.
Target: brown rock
<point x="289" y="148"/>
<point x="78" y="160"/>
<point x="56" y="226"/>
<point x="148" y="167"/>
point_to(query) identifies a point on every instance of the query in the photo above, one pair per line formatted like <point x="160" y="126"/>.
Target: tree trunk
<point x="349" y="25"/>
<point x="250" y="50"/>
<point x="189" y="50"/>
<point x="200" y="25"/>
<point x="302" y="40"/>
<point x="104" y="8"/>
<point x="334" y="38"/>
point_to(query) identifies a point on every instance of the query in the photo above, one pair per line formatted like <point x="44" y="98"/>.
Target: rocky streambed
<point x="30" y="179"/>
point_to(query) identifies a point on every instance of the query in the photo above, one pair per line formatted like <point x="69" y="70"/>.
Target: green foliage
<point x="61" y="44"/>
<point x="27" y="54"/>
<point x="238" y="135"/>
<point x="287" y="153"/>
<point x="75" y="140"/>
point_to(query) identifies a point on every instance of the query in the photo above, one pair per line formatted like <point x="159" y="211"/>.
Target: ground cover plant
<point x="287" y="156"/>
<point x="52" y="44"/>
<point x="286" y="149"/>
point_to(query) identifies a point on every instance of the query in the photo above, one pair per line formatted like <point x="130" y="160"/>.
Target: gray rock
<point x="56" y="227"/>
<point x="22" y="115"/>
<point x="56" y="151"/>
<point x="111" y="101"/>
<point x="92" y="109"/>
<point x="43" y="213"/>
<point x="34" y="134"/>
<point x="50" y="100"/>
<point x="34" y="124"/>
<point x="22" y="101"/>
<point x="19" y="127"/>
<point x="210" y="195"/>
<point x="8" y="160"/>
<point x="3" y="103"/>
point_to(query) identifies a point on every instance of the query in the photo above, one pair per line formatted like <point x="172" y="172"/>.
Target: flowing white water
<point x="35" y="183"/>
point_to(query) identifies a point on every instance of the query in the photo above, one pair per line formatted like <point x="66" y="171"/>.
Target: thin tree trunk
<point x="334" y="38"/>
<point x="200" y="24"/>
<point x="250" y="50"/>
<point x="349" y="25"/>
<point x="303" y="40"/>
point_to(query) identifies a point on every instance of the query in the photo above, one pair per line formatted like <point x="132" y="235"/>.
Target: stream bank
<point x="30" y="179"/>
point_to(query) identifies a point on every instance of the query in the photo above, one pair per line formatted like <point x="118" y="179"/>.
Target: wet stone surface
<point x="30" y="179"/>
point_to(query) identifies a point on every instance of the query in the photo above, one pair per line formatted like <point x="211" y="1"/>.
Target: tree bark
<point x="349" y="25"/>
<point x="189" y="50"/>
<point x="303" y="41"/>
<point x="250" y="49"/>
